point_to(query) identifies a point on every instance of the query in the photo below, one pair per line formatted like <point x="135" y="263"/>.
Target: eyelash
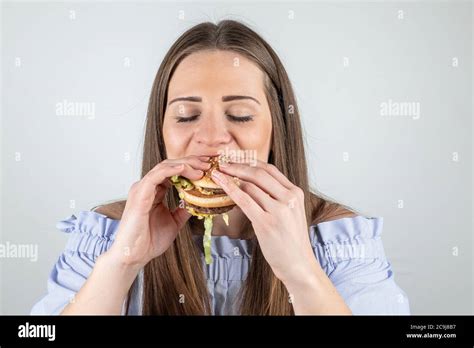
<point x="186" y="119"/>
<point x="232" y="117"/>
<point x="240" y="118"/>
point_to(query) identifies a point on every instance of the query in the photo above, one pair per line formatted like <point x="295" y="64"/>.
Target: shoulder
<point x="112" y="210"/>
<point x="340" y="214"/>
<point x="349" y="248"/>
<point x="90" y="233"/>
<point x="347" y="238"/>
<point x="351" y="252"/>
<point x="348" y="228"/>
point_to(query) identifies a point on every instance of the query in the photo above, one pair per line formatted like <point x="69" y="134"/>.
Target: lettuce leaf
<point x="185" y="184"/>
<point x="207" y="238"/>
<point x="181" y="182"/>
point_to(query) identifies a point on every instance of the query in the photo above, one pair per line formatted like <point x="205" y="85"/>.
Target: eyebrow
<point x="226" y="98"/>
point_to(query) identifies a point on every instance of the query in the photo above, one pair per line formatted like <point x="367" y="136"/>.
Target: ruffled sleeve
<point x="90" y="234"/>
<point x="351" y="252"/>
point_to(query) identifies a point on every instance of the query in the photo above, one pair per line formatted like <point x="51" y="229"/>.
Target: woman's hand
<point x="147" y="227"/>
<point x="275" y="206"/>
<point x="276" y="209"/>
<point x="146" y="230"/>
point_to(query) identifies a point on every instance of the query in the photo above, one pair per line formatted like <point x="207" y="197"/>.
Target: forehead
<point x="216" y="71"/>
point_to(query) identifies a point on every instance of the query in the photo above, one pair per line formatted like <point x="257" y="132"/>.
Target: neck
<point x="238" y="224"/>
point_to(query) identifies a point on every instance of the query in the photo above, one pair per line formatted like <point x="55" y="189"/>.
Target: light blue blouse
<point x="349" y="250"/>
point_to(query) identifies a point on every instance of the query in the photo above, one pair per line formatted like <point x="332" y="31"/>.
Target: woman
<point x="286" y="250"/>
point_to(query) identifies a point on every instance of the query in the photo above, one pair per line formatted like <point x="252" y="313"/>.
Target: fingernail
<point x="219" y="176"/>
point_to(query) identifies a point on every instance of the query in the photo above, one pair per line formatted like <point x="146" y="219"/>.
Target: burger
<point x="204" y="196"/>
<point x="205" y="199"/>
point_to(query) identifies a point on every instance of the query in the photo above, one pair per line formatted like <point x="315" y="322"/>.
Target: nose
<point x="212" y="131"/>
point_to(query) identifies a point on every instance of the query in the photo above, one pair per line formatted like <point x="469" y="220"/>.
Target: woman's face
<point x="216" y="103"/>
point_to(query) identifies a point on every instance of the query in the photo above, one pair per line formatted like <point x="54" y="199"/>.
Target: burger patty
<point x="215" y="192"/>
<point x="202" y="210"/>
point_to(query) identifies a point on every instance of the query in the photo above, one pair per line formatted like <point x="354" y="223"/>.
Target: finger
<point x="198" y="162"/>
<point x="161" y="189"/>
<point x="275" y="172"/>
<point x="250" y="208"/>
<point x="262" y="198"/>
<point x="259" y="176"/>
<point x="160" y="194"/>
<point x="143" y="192"/>
<point x="158" y="174"/>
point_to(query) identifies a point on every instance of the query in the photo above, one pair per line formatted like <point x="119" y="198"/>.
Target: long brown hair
<point x="178" y="272"/>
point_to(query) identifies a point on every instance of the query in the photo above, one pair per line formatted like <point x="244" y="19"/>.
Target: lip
<point x="218" y="152"/>
<point x="211" y="154"/>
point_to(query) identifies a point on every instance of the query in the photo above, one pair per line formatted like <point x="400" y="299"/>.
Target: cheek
<point x="175" y="140"/>
<point x="256" y="137"/>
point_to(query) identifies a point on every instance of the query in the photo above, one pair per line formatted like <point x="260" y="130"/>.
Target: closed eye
<point x="240" y="118"/>
<point x="232" y="118"/>
<point x="186" y="119"/>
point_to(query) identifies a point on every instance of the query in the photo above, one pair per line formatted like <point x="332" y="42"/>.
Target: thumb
<point x="180" y="216"/>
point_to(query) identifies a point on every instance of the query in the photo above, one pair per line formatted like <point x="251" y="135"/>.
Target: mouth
<point x="207" y="154"/>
